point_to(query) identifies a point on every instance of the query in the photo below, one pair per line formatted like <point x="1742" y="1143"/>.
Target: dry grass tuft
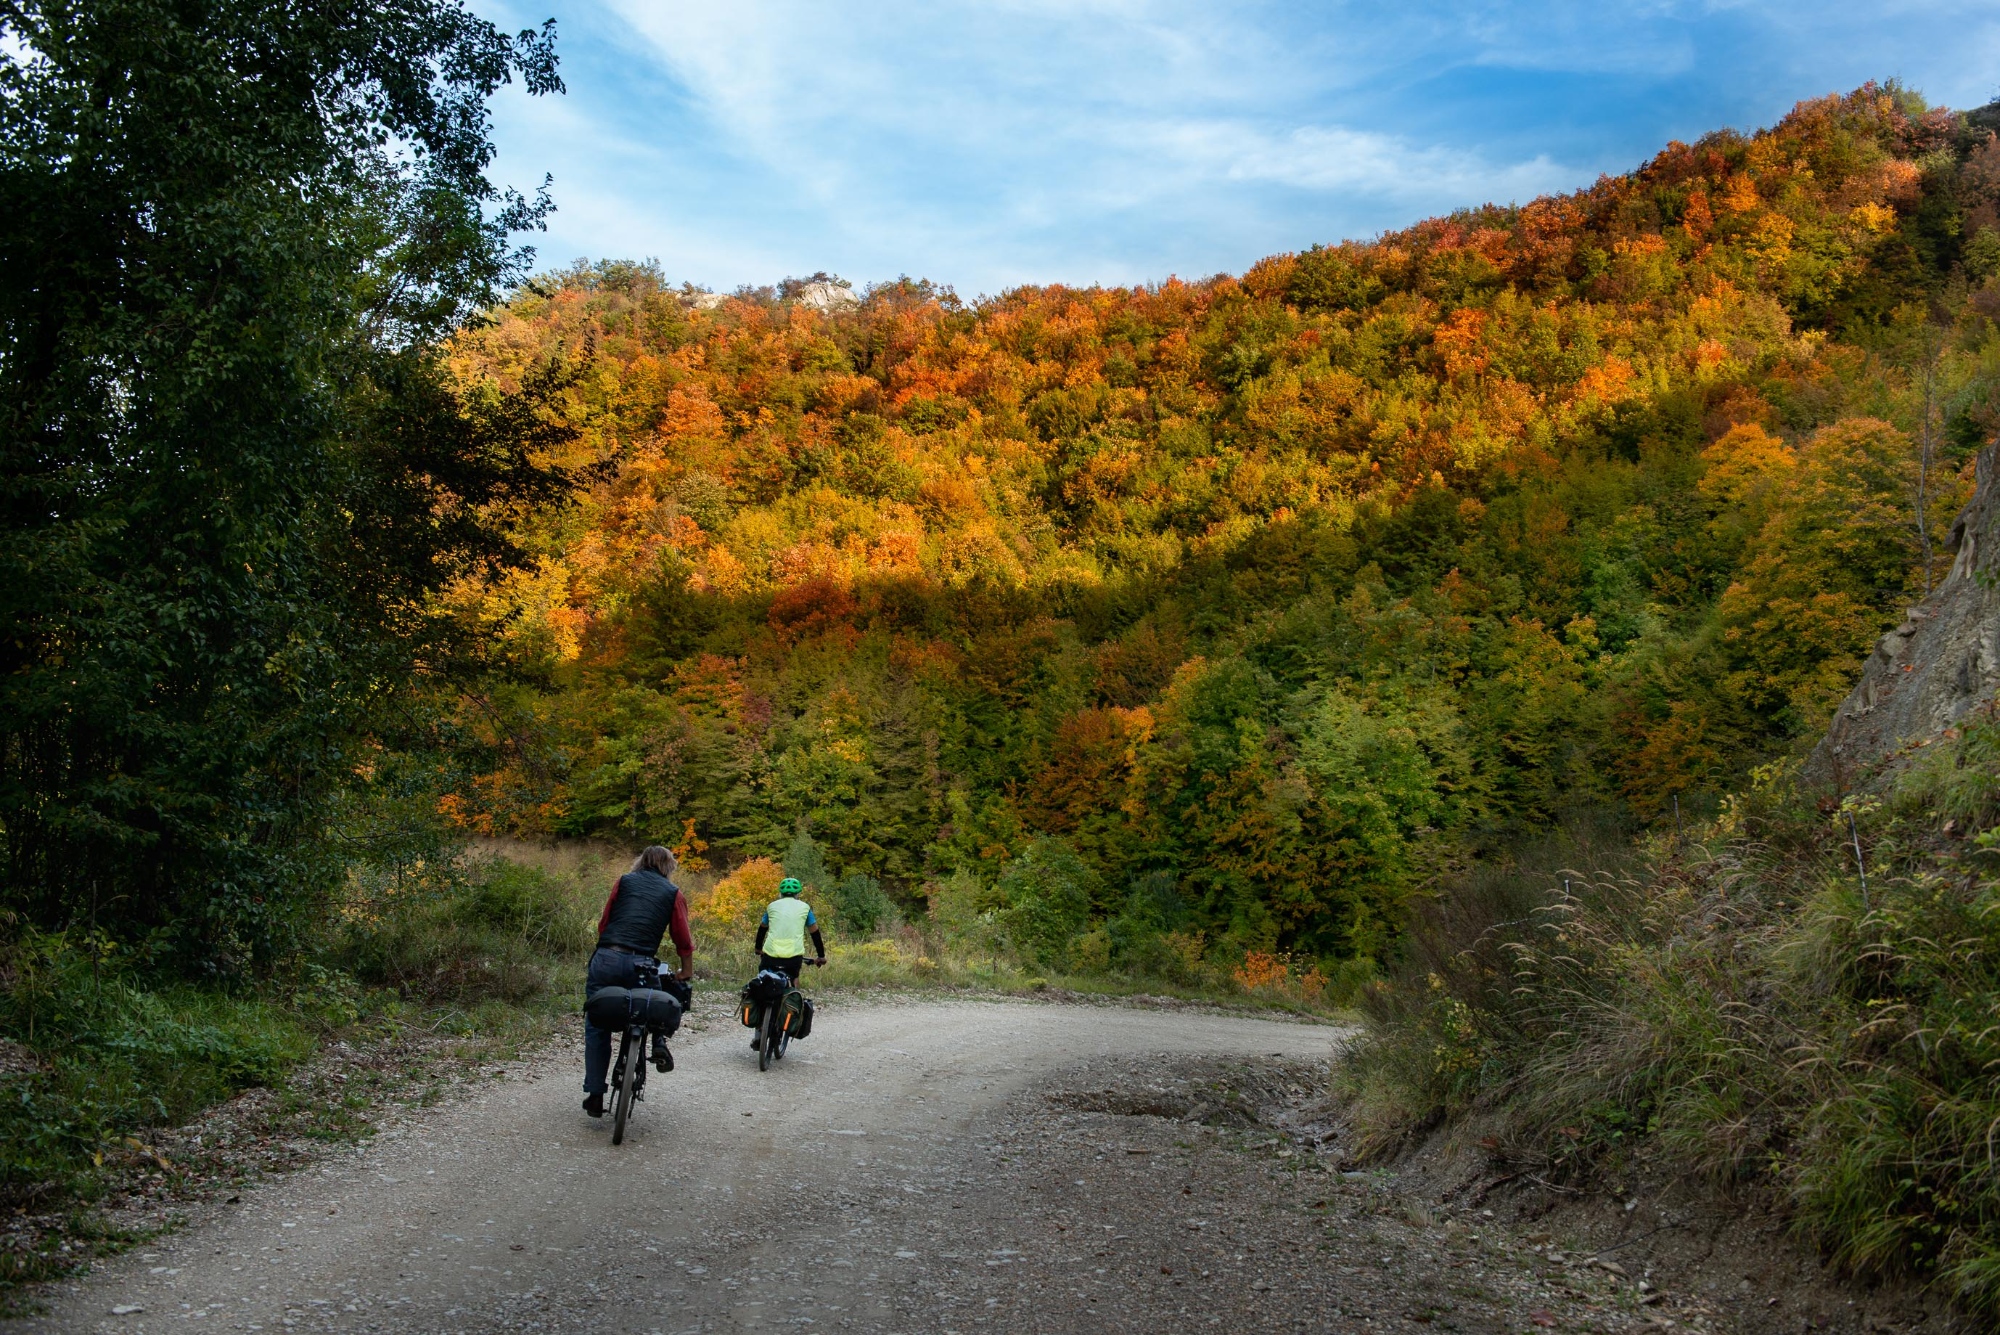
<point x="1743" y="1008"/>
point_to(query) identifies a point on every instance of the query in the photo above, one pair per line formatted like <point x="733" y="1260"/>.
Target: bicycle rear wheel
<point x="629" y="1056"/>
<point x="769" y="1034"/>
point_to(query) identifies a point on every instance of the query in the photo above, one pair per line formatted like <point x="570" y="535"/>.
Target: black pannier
<point x="803" y="1027"/>
<point x="614" y="1008"/>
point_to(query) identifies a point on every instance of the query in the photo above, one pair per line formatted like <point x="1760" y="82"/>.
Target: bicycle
<point x="653" y="1008"/>
<point x="768" y="994"/>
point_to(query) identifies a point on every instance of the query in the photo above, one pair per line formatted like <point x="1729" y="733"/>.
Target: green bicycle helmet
<point x="790" y="886"/>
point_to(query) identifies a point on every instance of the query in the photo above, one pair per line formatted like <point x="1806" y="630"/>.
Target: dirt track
<point x="851" y="1187"/>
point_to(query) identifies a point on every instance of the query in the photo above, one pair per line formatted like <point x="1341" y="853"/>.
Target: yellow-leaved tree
<point x="1833" y="564"/>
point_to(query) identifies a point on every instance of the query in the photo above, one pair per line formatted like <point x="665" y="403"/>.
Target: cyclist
<point x="644" y="906"/>
<point x="781" y="936"/>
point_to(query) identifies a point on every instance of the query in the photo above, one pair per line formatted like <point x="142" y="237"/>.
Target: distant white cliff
<point x="827" y="296"/>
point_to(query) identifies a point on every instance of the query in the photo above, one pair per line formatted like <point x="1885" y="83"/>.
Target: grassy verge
<point x="421" y="970"/>
<point x="914" y="961"/>
<point x="1743" y="1009"/>
<point x="101" y="1062"/>
<point x="966" y="936"/>
<point x="122" y="1181"/>
<point x="88" y="1179"/>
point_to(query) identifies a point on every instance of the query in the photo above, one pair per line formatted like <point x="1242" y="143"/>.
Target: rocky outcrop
<point x="827" y="296"/>
<point x="820" y="296"/>
<point x="1942" y="662"/>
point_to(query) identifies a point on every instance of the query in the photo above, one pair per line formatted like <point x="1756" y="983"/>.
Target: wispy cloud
<point x="1012" y="140"/>
<point x="1356" y="163"/>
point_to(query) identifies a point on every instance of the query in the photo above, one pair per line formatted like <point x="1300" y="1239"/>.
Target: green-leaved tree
<point x="233" y="469"/>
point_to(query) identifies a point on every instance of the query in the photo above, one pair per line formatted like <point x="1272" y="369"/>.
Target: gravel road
<point x="860" y="1184"/>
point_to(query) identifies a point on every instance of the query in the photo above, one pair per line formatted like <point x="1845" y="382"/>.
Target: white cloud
<point x="1333" y="158"/>
<point x="993" y="141"/>
<point x="1032" y="112"/>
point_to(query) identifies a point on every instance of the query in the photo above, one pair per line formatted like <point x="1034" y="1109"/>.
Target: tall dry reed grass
<point x="1740" y="1008"/>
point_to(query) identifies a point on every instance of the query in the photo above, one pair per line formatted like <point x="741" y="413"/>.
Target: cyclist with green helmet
<point x="781" y="936"/>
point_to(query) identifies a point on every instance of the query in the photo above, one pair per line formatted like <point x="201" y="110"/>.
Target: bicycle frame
<point x="628" y="1070"/>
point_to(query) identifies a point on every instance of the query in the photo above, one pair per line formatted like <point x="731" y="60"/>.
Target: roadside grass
<point x="96" y="1061"/>
<point x="464" y="966"/>
<point x="84" y="1206"/>
<point x="906" y="959"/>
<point x="458" y="964"/>
<point x="932" y="944"/>
<point x="1738" y="1009"/>
<point x="96" y="1056"/>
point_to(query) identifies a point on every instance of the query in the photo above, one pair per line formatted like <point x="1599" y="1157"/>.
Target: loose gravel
<point x="917" y="1166"/>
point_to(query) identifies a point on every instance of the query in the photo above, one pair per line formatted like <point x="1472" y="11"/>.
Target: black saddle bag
<point x="614" y="1008"/>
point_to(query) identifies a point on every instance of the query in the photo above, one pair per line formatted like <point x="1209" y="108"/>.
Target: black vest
<point x="641" y="913"/>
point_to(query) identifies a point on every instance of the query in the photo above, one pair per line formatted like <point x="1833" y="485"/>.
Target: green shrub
<point x="541" y="909"/>
<point x="1047" y="891"/>
<point x="855" y="903"/>
<point x="1091" y="952"/>
<point x="804" y="861"/>
<point x="113" y="1056"/>
<point x="863" y="908"/>
<point x="502" y="931"/>
<point x="1747" y="1010"/>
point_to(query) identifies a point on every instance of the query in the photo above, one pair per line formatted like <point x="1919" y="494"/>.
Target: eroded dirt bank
<point x="918" y="1166"/>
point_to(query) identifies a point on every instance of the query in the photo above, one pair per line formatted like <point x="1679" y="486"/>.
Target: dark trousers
<point x="789" y="965"/>
<point x="608" y="968"/>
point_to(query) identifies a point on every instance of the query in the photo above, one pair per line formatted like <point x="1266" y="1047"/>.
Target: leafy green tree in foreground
<point x="232" y="235"/>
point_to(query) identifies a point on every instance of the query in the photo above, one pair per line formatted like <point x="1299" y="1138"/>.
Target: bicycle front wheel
<point x="629" y="1057"/>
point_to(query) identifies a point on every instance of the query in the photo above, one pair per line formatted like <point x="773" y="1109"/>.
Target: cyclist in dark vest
<point x="644" y="906"/>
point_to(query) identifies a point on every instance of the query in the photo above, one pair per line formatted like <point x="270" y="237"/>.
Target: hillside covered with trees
<point x="1226" y="615"/>
<point x="1242" y="635"/>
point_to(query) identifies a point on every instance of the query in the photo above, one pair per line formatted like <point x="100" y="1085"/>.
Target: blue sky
<point x="986" y="145"/>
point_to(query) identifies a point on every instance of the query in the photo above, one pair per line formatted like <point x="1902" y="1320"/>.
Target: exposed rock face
<point x="1926" y="674"/>
<point x="819" y="296"/>
<point x="827" y="296"/>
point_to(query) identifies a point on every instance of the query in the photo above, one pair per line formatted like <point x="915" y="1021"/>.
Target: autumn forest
<point x="1428" y="631"/>
<point x="1226" y="615"/>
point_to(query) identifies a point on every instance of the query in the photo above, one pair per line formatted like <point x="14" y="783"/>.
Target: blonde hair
<point x="656" y="858"/>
